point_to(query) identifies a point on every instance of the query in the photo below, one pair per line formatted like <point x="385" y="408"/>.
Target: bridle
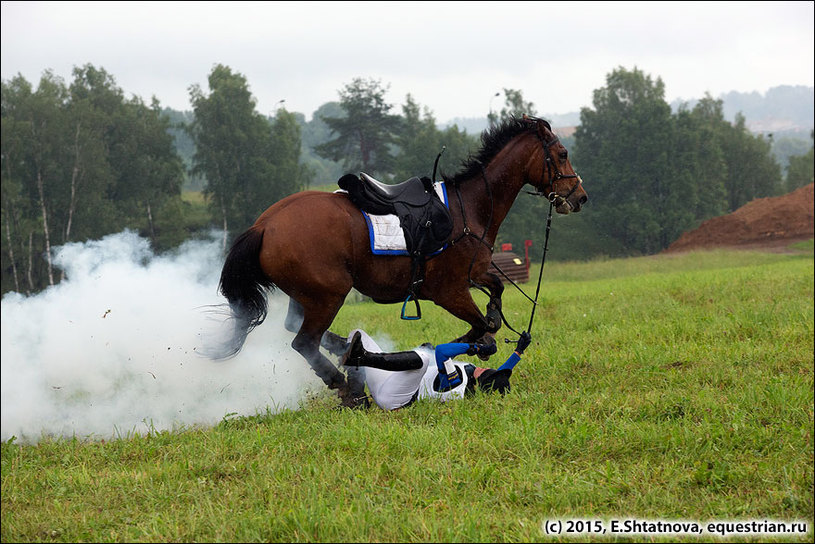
<point x="549" y="164"/>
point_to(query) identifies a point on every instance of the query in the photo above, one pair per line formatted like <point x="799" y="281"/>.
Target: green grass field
<point x="664" y="388"/>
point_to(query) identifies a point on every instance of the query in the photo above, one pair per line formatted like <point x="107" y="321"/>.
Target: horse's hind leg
<point x="316" y="319"/>
<point x="294" y="316"/>
<point x="334" y="343"/>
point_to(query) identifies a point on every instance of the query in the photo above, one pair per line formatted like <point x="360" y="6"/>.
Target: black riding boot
<point x="357" y="355"/>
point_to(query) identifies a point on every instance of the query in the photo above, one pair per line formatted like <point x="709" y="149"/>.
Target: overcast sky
<point x="451" y="56"/>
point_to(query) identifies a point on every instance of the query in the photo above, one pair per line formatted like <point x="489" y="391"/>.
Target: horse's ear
<point x="542" y="126"/>
<point x="538" y="125"/>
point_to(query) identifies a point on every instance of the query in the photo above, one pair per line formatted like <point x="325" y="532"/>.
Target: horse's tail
<point x="245" y="285"/>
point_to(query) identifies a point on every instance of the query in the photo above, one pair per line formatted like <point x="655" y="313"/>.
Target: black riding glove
<point x="482" y="349"/>
<point x="523" y="342"/>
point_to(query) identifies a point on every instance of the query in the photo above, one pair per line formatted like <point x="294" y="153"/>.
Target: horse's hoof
<point x="494" y="320"/>
<point x="356" y="403"/>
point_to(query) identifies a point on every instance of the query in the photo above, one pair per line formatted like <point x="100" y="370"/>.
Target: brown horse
<point x="314" y="246"/>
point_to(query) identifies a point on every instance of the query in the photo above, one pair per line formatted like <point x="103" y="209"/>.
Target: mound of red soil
<point x="765" y="223"/>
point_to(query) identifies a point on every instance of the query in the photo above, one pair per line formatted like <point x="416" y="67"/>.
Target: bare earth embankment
<point x="770" y="224"/>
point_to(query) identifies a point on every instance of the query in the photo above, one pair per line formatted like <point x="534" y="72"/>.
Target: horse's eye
<point x="563" y="155"/>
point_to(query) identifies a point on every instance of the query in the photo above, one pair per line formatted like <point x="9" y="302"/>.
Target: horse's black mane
<point x="493" y="140"/>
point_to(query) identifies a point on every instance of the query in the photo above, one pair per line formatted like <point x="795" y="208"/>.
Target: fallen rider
<point x="397" y="379"/>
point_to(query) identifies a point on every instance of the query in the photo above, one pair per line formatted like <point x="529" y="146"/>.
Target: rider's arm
<point x="444" y="352"/>
<point x="523" y="343"/>
<point x="448" y="376"/>
<point x="511" y="361"/>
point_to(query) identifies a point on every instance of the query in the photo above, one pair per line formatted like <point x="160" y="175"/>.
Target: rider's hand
<point x="487" y="349"/>
<point x="482" y="349"/>
<point x="523" y="342"/>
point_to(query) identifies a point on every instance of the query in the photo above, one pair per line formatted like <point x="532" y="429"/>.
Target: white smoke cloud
<point x="114" y="349"/>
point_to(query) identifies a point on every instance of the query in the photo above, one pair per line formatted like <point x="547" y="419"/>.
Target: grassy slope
<point x="672" y="387"/>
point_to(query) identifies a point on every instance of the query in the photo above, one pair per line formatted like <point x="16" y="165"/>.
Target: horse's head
<point x="558" y="180"/>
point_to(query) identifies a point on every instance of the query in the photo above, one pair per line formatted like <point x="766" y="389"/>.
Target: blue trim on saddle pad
<point x="401" y="251"/>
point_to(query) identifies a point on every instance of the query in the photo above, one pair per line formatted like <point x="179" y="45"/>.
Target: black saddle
<point x="424" y="218"/>
<point x="379" y="198"/>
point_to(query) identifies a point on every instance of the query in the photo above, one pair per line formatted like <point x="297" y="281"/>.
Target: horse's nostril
<point x="583" y="199"/>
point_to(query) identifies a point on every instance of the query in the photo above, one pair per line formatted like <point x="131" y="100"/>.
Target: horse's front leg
<point x="495" y="287"/>
<point x="493" y="317"/>
<point x="459" y="302"/>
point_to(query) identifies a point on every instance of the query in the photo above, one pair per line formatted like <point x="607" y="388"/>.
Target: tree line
<point x="655" y="174"/>
<point x="80" y="161"/>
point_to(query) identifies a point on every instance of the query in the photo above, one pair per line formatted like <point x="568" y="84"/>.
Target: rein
<point x="467" y="231"/>
<point x="552" y="197"/>
<point x="543" y="262"/>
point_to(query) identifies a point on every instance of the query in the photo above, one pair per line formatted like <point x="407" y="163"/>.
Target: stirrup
<point x="418" y="310"/>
